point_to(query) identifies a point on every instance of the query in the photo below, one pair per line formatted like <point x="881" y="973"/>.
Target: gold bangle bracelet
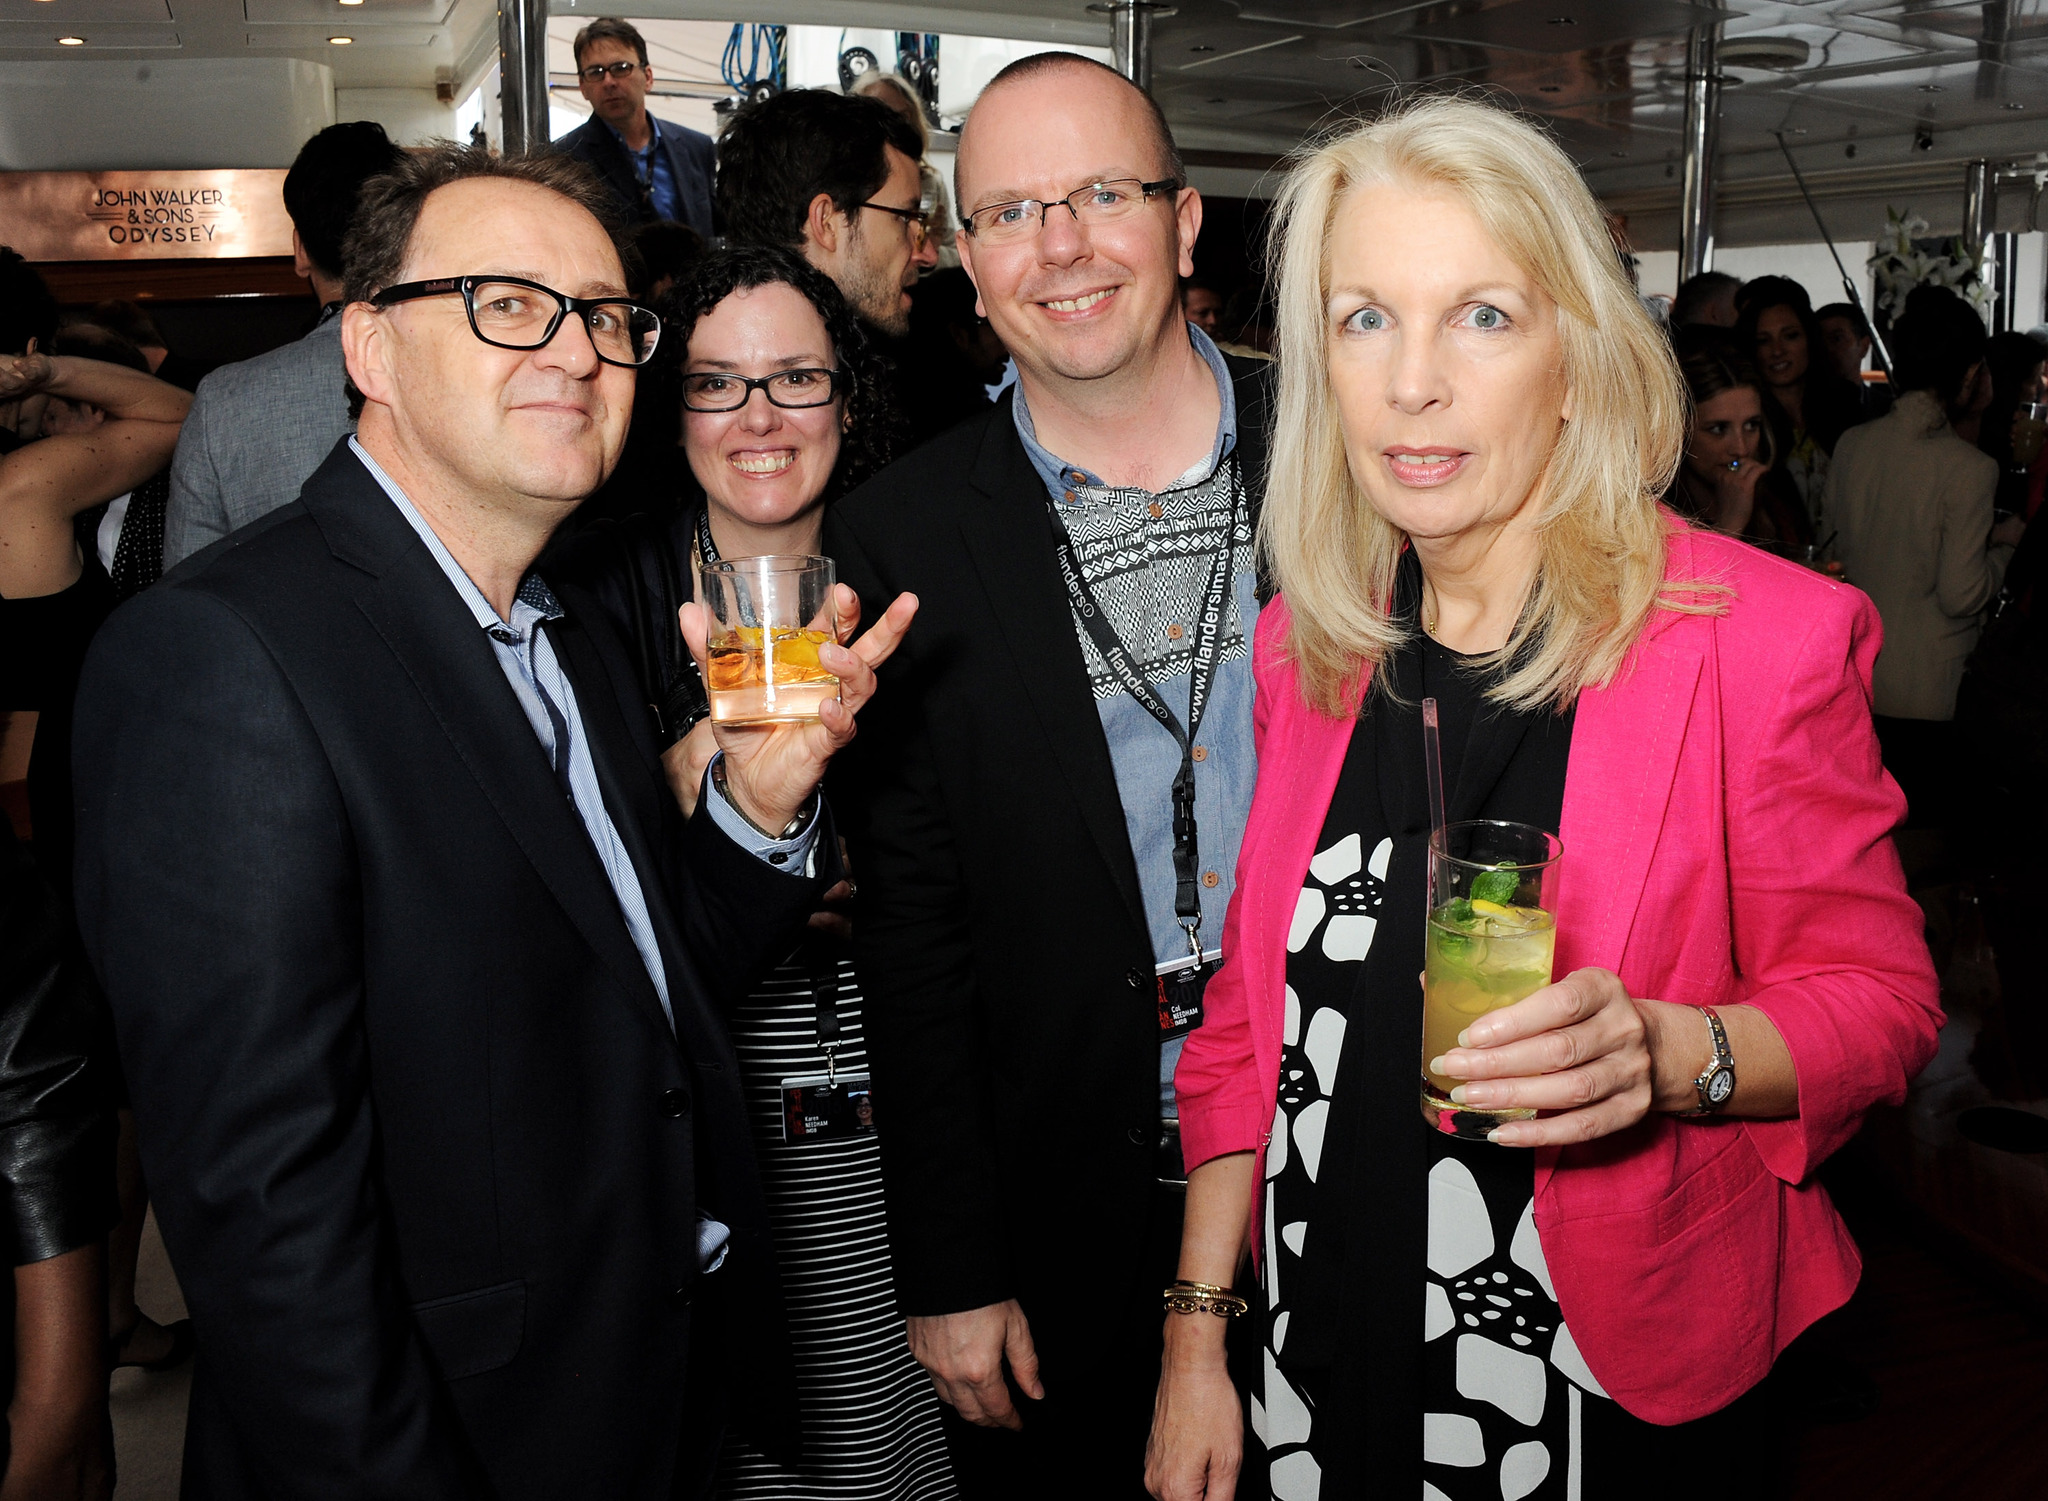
<point x="1204" y="1297"/>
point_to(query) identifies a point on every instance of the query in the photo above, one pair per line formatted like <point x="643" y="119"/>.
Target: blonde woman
<point x="1476" y="421"/>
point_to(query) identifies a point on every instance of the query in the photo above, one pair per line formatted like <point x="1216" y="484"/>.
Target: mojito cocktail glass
<point x="1492" y="930"/>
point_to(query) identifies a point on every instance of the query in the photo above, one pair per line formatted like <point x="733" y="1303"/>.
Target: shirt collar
<point x="653" y="135"/>
<point x="534" y="602"/>
<point x="1059" y="474"/>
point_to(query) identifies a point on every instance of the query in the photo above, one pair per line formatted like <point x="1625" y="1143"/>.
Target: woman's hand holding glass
<point x="771" y="770"/>
<point x="1596" y="1060"/>
<point x="1579" y="1048"/>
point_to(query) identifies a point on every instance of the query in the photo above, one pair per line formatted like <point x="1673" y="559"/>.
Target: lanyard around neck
<point x="1187" y="900"/>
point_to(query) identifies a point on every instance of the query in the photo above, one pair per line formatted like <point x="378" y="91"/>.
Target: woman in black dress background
<point x="768" y="457"/>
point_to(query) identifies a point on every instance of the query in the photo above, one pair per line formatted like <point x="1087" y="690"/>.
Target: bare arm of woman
<point x="45" y="484"/>
<point x="1197" y="1439"/>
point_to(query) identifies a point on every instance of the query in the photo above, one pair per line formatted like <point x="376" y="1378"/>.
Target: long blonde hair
<point x="1600" y="574"/>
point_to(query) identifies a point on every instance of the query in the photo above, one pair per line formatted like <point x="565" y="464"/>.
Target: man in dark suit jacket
<point x="1015" y="836"/>
<point x="656" y="168"/>
<point x="416" y="969"/>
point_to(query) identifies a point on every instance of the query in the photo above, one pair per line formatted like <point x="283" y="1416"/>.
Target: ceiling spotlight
<point x="1198" y="47"/>
<point x="2015" y="104"/>
<point x="70" y="41"/>
<point x="341" y="41"/>
<point x="1563" y="21"/>
<point x="1933" y="88"/>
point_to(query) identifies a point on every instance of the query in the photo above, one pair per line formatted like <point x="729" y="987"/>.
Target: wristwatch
<point x="1717" y="1083"/>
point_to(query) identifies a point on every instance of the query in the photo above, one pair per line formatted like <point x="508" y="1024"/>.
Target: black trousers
<point x="1086" y="1439"/>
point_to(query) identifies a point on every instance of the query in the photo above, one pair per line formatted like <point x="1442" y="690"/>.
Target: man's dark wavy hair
<point x="778" y="155"/>
<point x="874" y="428"/>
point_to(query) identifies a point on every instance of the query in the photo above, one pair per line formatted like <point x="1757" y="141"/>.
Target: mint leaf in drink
<point x="1458" y="913"/>
<point x="1496" y="886"/>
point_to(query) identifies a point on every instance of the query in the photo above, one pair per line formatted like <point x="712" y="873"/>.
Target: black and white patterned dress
<point x="1473" y="1371"/>
<point x="871" y="1419"/>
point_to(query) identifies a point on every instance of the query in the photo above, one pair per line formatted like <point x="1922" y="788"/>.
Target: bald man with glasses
<point x="416" y="967"/>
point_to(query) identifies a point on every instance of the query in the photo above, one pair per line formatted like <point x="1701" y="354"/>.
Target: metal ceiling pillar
<point x="1702" y="128"/>
<point x="1130" y="35"/>
<point x="1980" y="205"/>
<point x="523" y="73"/>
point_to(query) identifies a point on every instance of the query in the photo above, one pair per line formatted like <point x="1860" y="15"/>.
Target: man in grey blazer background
<point x="260" y="427"/>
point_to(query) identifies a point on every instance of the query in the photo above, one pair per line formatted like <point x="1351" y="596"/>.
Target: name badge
<point x="1180" y="985"/>
<point x="818" y="1107"/>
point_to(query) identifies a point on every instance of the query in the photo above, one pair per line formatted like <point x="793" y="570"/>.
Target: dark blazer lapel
<point x="612" y="160"/>
<point x="691" y="189"/>
<point x="1010" y="542"/>
<point x="412" y="606"/>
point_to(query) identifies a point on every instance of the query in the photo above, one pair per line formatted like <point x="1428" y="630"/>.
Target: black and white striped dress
<point x="871" y="1419"/>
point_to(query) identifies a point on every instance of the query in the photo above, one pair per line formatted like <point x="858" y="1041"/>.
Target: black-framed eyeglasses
<point x="513" y="313"/>
<point x="920" y="227"/>
<point x="1098" y="203"/>
<point x="597" y="71"/>
<point x="722" y="391"/>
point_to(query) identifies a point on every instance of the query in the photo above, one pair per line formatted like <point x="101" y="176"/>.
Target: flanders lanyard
<point x="1187" y="901"/>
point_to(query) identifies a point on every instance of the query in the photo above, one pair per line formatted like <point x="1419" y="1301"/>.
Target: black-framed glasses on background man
<point x="920" y="228"/>
<point x="1098" y="203"/>
<point x="597" y="71"/>
<point x="722" y="391"/>
<point x="513" y="313"/>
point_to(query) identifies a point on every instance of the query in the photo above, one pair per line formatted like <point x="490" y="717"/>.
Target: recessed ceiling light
<point x="70" y="41"/>
<point x="1933" y="88"/>
<point x="1198" y="47"/>
<point x="1617" y="153"/>
<point x="2015" y="104"/>
<point x="1563" y="21"/>
<point x="1548" y="88"/>
<point x="341" y="41"/>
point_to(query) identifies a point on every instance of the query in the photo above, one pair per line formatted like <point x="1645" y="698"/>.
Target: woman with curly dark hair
<point x="781" y="406"/>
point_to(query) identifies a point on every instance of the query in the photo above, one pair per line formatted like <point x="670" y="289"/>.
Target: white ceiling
<point x="1244" y="81"/>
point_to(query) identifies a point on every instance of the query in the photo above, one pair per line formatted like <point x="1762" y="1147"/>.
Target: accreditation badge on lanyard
<point x="1181" y="981"/>
<point x="839" y="1103"/>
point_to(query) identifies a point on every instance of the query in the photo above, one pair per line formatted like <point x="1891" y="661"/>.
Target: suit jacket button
<point x="681" y="1297"/>
<point x="1139" y="1136"/>
<point x="675" y="1102"/>
<point x="1137" y="978"/>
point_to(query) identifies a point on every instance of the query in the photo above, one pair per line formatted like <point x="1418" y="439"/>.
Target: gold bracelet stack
<point x="1205" y="1297"/>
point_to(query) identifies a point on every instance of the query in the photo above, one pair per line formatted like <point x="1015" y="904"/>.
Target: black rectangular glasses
<point x="718" y="391"/>
<point x="513" y="313"/>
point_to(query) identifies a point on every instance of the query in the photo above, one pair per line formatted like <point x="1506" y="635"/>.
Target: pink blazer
<point x="1725" y="832"/>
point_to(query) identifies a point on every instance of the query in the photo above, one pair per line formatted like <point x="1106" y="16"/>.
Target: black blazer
<point x="1001" y="934"/>
<point x="427" y="1156"/>
<point x="691" y="157"/>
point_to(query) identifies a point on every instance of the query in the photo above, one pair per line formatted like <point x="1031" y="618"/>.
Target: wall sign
<point x="115" y="216"/>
